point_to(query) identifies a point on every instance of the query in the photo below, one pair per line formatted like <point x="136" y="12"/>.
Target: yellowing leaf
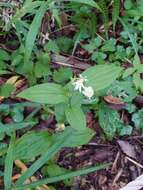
<point x="12" y="80"/>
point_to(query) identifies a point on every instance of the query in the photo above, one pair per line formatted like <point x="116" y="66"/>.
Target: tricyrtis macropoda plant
<point x="73" y="95"/>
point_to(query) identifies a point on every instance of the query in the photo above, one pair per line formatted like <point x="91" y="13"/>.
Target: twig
<point x="134" y="162"/>
<point x="115" y="162"/>
<point x="117" y="176"/>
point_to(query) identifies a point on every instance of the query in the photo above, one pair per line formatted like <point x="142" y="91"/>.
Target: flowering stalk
<point x="80" y="86"/>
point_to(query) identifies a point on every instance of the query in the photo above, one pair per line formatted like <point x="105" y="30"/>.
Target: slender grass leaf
<point x="63" y="177"/>
<point x="31" y="36"/>
<point x="115" y="12"/>
<point x="27" y="8"/>
<point x="9" y="164"/>
<point x="7" y="128"/>
<point x="105" y="16"/>
<point x="48" y="93"/>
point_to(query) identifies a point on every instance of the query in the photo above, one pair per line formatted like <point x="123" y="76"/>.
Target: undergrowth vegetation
<point x="59" y="61"/>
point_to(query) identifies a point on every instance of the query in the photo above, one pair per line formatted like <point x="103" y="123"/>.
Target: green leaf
<point x="63" y="177"/>
<point x="104" y="10"/>
<point x="128" y="72"/>
<point x="109" y="45"/>
<point x="87" y="2"/>
<point x="93" y="44"/>
<point x="131" y="37"/>
<point x="137" y="118"/>
<point x="54" y="170"/>
<point x="6" y="90"/>
<point x="76" y="137"/>
<point x="109" y="121"/>
<point x="41" y="68"/>
<point x="4" y="56"/>
<point x="126" y="130"/>
<point x="31" y="36"/>
<point x="138" y="81"/>
<point x="60" y="112"/>
<point x="80" y="137"/>
<point x="101" y="76"/>
<point x="7" y="128"/>
<point x="47" y="93"/>
<point x="44" y="158"/>
<point x="17" y="114"/>
<point x="76" y="117"/>
<point x="62" y="75"/>
<point x="37" y="143"/>
<point x="9" y="164"/>
<point x="123" y="89"/>
<point x="52" y="46"/>
<point x="115" y="12"/>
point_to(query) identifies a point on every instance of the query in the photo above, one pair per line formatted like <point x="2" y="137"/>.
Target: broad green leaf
<point x="76" y="138"/>
<point x="101" y="76"/>
<point x="123" y="89"/>
<point x="79" y="138"/>
<point x="47" y="93"/>
<point x="44" y="158"/>
<point x="6" y="90"/>
<point x="63" y="177"/>
<point x="9" y="164"/>
<point x="76" y="117"/>
<point x="37" y="143"/>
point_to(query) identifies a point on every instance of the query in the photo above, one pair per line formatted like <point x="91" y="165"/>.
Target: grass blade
<point x="115" y="12"/>
<point x="31" y="36"/>
<point x="105" y="16"/>
<point x="6" y="128"/>
<point x="63" y="177"/>
<point x="9" y="164"/>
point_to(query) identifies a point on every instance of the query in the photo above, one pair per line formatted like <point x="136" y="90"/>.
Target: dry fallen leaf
<point x="127" y="148"/>
<point x="113" y="100"/>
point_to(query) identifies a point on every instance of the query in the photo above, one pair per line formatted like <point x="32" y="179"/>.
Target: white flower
<point x="88" y="92"/>
<point x="79" y="83"/>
